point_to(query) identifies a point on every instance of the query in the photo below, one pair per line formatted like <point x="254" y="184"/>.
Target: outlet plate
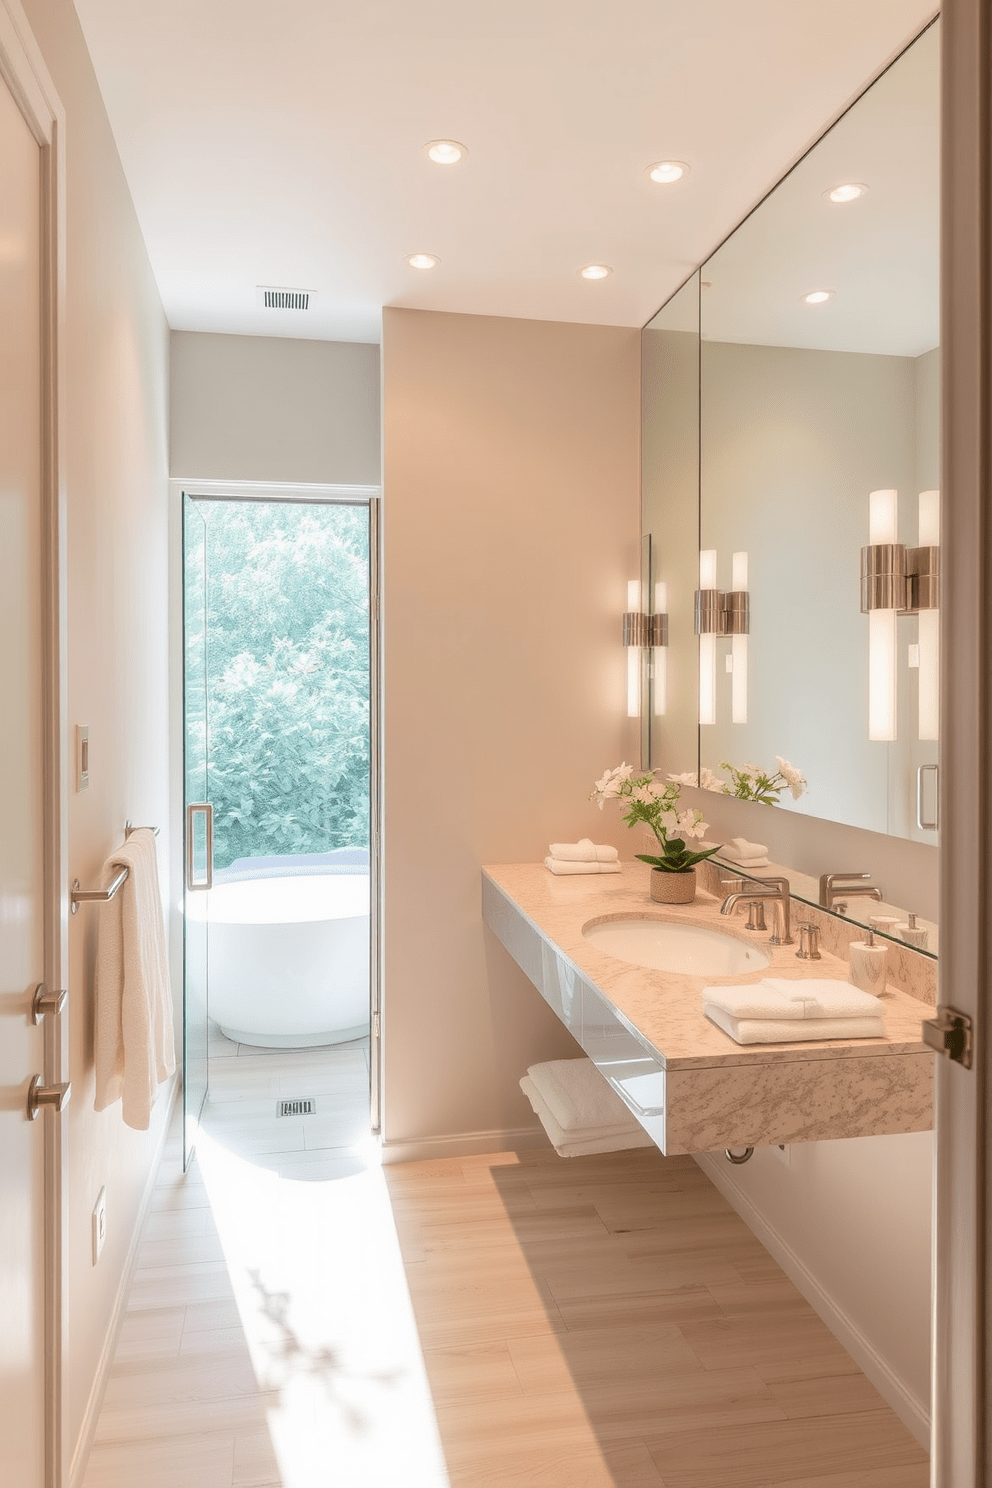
<point x="99" y="1224"/>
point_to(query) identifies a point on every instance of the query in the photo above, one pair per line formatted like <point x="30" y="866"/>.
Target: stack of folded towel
<point x="783" y="1011"/>
<point x="582" y="857"/>
<point x="746" y="854"/>
<point x="578" y="1109"/>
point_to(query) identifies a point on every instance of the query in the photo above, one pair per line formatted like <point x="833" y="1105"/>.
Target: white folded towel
<point x="747" y="854"/>
<point x="776" y="998"/>
<point x="560" y="866"/>
<point x="730" y="854"/>
<point x="133" y="1003"/>
<point x="583" y="851"/>
<point x="744" y="849"/>
<point x="793" y="1030"/>
<point x="576" y="1098"/>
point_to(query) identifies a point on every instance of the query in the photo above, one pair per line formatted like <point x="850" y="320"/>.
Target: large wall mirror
<point x="791" y="421"/>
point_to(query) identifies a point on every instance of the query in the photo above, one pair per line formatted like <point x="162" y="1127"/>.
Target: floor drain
<point x="296" y="1107"/>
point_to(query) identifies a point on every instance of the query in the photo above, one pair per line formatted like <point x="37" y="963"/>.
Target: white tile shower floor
<point x="269" y="1340"/>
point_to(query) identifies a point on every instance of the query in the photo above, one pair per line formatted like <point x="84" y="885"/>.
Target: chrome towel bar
<point x="82" y="896"/>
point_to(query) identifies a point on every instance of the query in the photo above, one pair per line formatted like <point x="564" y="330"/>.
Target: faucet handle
<point x="809" y="941"/>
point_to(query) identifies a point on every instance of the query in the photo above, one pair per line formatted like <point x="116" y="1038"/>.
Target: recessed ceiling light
<point x="423" y="261"/>
<point x="667" y="171"/>
<point x="849" y="192"/>
<point x="818" y="296"/>
<point x="595" y="271"/>
<point x="445" y="152"/>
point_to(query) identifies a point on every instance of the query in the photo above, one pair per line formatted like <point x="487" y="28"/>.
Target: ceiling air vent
<point x="283" y="299"/>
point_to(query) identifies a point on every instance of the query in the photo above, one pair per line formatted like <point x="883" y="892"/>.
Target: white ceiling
<point x="282" y="144"/>
<point x="880" y="255"/>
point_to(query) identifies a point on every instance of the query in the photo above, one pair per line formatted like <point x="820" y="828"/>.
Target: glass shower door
<point x="198" y="824"/>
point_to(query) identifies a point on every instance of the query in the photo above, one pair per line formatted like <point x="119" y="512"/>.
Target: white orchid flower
<point x="793" y="778"/>
<point x="687" y="778"/>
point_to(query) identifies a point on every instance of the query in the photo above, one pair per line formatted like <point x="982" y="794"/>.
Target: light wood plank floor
<point x="599" y="1322"/>
<point x="610" y="1320"/>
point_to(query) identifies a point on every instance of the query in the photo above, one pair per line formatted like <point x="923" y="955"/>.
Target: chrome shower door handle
<point x="199" y="845"/>
<point x="921" y="822"/>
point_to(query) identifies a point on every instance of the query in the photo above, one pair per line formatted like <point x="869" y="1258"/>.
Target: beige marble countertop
<point x="665" y="1008"/>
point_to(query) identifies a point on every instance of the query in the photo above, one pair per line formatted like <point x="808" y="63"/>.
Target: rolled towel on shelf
<point x="560" y="866"/>
<point x="583" y="851"/>
<point x="792" y="1030"/>
<point x="579" y="1110"/>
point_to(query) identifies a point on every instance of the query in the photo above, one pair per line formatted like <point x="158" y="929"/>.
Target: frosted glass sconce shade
<point x="926" y="562"/>
<point x="899" y="581"/>
<point x="883" y="594"/>
<point x="639" y="631"/>
<point x="720" y="614"/>
<point x="659" y="641"/>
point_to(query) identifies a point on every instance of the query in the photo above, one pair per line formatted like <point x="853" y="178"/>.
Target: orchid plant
<point x="645" y="801"/>
<point x="749" y="782"/>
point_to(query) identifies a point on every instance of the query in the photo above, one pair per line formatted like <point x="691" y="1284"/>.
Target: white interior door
<point x="23" y="830"/>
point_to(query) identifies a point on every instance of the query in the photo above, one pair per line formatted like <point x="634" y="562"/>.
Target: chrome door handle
<point x="44" y="1002"/>
<point x="39" y="1096"/>
<point x="927" y="826"/>
<point x="199" y="877"/>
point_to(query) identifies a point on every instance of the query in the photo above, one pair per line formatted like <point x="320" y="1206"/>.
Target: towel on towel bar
<point x="792" y="1030"/>
<point x="562" y="867"/>
<point x="776" y="998"/>
<point x="583" y="851"/>
<point x="135" y="1051"/>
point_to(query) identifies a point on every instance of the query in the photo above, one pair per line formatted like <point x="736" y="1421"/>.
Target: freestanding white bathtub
<point x="289" y="959"/>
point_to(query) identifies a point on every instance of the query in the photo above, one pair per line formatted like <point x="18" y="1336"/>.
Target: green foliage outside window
<point x="286" y="725"/>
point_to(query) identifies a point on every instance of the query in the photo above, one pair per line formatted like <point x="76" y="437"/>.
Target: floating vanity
<point x="689" y="1084"/>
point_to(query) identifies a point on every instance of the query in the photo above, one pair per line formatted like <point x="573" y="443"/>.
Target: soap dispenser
<point x="912" y="933"/>
<point x="868" y="964"/>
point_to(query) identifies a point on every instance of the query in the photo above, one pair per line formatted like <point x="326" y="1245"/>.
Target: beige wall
<point x="115" y="422"/>
<point x="262" y="408"/>
<point x="510" y="520"/>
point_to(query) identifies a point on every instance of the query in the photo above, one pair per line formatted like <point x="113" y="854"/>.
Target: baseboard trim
<point x="894" y="1391"/>
<point x="91" y="1415"/>
<point x="464" y="1144"/>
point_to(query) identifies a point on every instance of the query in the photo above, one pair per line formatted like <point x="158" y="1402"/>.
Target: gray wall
<point x="261" y="408"/>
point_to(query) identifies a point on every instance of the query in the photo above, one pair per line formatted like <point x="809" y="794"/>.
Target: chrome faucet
<point x="837" y="888"/>
<point x="777" y="890"/>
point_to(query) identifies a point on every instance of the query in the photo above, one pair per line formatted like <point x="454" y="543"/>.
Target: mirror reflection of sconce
<point x="639" y="631"/>
<point x="899" y="581"/>
<point x="722" y="614"/>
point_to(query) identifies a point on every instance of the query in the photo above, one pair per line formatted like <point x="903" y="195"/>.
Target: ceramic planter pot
<point x="673" y="888"/>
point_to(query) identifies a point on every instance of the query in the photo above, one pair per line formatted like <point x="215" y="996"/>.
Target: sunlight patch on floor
<point x="321" y="1290"/>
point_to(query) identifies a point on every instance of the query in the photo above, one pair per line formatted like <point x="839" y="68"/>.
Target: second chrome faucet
<point x="777" y="891"/>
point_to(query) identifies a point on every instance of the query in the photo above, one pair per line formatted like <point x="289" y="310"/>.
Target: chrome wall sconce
<point x="640" y="631"/>
<point x="720" y="613"/>
<point x="896" y="580"/>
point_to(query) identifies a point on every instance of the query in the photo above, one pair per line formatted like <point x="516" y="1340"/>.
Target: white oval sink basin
<point x="662" y="946"/>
